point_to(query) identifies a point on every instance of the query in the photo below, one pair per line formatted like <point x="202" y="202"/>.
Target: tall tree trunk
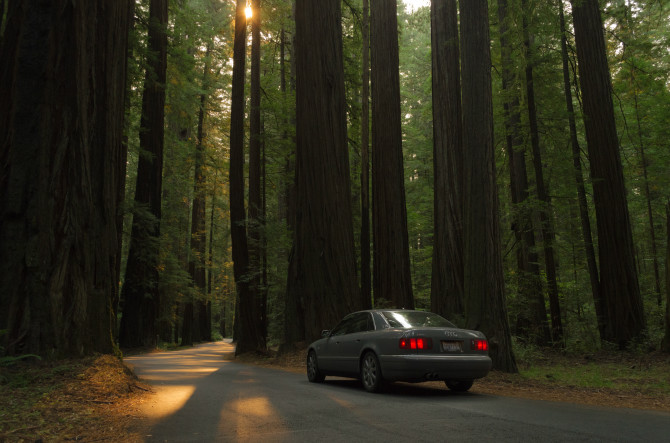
<point x="255" y="200"/>
<point x="485" y="307"/>
<point x="196" y="263"/>
<point x="247" y="337"/>
<point x="322" y="271"/>
<point x="624" y="314"/>
<point x="531" y="323"/>
<point x="61" y="154"/>
<point x="647" y="195"/>
<point x="140" y="296"/>
<point x="447" y="275"/>
<point x="665" y="345"/>
<point x="366" y="278"/>
<point x="210" y="252"/>
<point x="294" y="323"/>
<point x="392" y="279"/>
<point x="579" y="180"/>
<point x="121" y="193"/>
<point x="547" y="224"/>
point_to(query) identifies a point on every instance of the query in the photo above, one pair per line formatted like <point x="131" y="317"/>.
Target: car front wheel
<point x="458" y="385"/>
<point x="313" y="373"/>
<point x="371" y="374"/>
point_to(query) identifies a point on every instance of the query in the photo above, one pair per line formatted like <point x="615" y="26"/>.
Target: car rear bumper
<point x="434" y="367"/>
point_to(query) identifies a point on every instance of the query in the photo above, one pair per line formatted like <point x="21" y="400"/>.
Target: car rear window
<point x="415" y="319"/>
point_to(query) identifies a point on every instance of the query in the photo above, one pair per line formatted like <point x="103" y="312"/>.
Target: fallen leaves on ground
<point x="69" y="400"/>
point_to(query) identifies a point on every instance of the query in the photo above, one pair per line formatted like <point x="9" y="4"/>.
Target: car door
<point x="331" y="352"/>
<point x="351" y="343"/>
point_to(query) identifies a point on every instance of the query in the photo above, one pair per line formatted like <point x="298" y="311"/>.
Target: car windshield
<point x="415" y="319"/>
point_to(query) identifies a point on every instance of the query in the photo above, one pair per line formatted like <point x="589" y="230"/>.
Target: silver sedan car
<point x="385" y="345"/>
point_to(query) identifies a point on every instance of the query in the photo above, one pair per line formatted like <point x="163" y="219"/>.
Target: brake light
<point x="479" y="345"/>
<point x="420" y="343"/>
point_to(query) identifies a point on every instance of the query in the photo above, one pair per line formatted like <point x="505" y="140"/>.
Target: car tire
<point x="313" y="373"/>
<point x="458" y="385"/>
<point x="371" y="373"/>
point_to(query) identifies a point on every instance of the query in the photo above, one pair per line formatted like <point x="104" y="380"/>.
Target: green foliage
<point x="638" y="42"/>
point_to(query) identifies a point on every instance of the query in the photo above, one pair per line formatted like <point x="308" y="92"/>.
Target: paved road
<point x="200" y="397"/>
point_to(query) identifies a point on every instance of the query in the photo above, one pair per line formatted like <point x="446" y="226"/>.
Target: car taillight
<point x="479" y="345"/>
<point x="416" y="343"/>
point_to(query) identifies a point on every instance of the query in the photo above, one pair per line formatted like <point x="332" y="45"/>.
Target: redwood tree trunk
<point x="531" y="321"/>
<point x="366" y="280"/>
<point x="579" y="180"/>
<point x="391" y="270"/>
<point x="447" y="275"/>
<point x="665" y="345"/>
<point x="197" y="258"/>
<point x="547" y="224"/>
<point x="623" y="310"/>
<point x="61" y="156"/>
<point x="322" y="271"/>
<point x="255" y="200"/>
<point x="246" y="334"/>
<point x="485" y="307"/>
<point x="140" y="295"/>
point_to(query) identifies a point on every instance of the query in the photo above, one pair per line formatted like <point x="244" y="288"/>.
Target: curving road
<point x="201" y="397"/>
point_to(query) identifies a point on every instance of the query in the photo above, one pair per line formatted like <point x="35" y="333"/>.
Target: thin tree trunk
<point x="624" y="313"/>
<point x="647" y="196"/>
<point x="140" y="295"/>
<point x="196" y="264"/>
<point x="447" y="273"/>
<point x="665" y="345"/>
<point x="121" y="198"/>
<point x="255" y="198"/>
<point x="366" y="279"/>
<point x="546" y="222"/>
<point x="485" y="307"/>
<point x="530" y="323"/>
<point x="392" y="279"/>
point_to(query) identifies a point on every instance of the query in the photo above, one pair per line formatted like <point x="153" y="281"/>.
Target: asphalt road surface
<point x="201" y="397"/>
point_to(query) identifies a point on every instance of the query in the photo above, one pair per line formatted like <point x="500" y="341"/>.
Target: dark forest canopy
<point x="516" y="183"/>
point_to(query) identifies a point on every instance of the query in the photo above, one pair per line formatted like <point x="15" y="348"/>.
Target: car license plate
<point x="451" y="346"/>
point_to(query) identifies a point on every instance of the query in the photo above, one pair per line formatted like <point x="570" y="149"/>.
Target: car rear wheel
<point x="313" y="373"/>
<point x="458" y="385"/>
<point x="371" y="373"/>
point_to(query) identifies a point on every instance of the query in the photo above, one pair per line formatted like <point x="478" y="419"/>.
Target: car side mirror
<point x="325" y="333"/>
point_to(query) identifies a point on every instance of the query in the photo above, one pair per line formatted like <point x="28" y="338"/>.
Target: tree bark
<point x="139" y="295"/>
<point x="197" y="257"/>
<point x="531" y="321"/>
<point x="665" y="344"/>
<point x="546" y="222"/>
<point x="255" y="200"/>
<point x="624" y="314"/>
<point x="247" y="338"/>
<point x="392" y="279"/>
<point x="322" y="271"/>
<point x="447" y="275"/>
<point x="485" y="307"/>
<point x="366" y="278"/>
<point x="63" y="73"/>
<point x="579" y="180"/>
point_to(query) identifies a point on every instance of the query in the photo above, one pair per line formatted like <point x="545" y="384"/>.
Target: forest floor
<point x="98" y="398"/>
